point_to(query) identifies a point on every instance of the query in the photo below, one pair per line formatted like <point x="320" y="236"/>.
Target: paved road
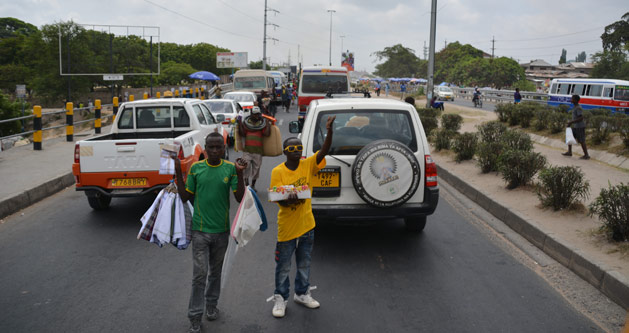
<point x="66" y="268"/>
<point x="487" y="105"/>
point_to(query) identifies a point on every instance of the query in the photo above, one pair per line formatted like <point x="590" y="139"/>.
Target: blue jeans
<point x="208" y="253"/>
<point x="302" y="247"/>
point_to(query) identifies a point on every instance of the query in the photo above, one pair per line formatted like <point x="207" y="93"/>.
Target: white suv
<point x="379" y="164"/>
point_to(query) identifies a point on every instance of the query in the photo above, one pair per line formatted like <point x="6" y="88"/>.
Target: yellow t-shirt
<point x="296" y="220"/>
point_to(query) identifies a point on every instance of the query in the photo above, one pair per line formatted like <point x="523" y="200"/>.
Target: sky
<point x="522" y="29"/>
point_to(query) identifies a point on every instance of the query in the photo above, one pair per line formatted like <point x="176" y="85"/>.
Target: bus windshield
<point x="322" y="84"/>
<point x="250" y="82"/>
<point x="622" y="93"/>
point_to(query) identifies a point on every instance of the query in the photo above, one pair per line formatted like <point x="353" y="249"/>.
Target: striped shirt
<point x="253" y="141"/>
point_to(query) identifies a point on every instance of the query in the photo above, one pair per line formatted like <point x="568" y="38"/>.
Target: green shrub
<point x="624" y="131"/>
<point x="429" y="112"/>
<point x="541" y="119"/>
<point x="557" y="122"/>
<point x="443" y="138"/>
<point x="464" y="146"/>
<point x="503" y="110"/>
<point x="487" y="154"/>
<point x="451" y="122"/>
<point x="429" y="123"/>
<point x="600" y="112"/>
<point x="11" y="109"/>
<point x="563" y="108"/>
<point x="612" y="207"/>
<point x="560" y="187"/>
<point x="526" y="112"/>
<point x="518" y="167"/>
<point x="516" y="140"/>
<point x="491" y="131"/>
<point x="616" y="121"/>
<point x="601" y="128"/>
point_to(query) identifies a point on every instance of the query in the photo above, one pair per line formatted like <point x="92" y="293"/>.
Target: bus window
<point x="553" y="89"/>
<point x="564" y="88"/>
<point x="595" y="90"/>
<point x="608" y="92"/>
<point x="577" y="89"/>
<point x="622" y="93"/>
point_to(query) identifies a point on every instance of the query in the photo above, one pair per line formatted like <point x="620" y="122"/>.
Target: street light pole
<point x="331" y="11"/>
<point x="342" y="43"/>
<point x="264" y="43"/>
<point x="431" y="53"/>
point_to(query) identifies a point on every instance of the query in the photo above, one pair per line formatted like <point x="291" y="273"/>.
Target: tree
<point x="562" y="59"/>
<point x="447" y="59"/>
<point x="611" y="65"/>
<point x="255" y="64"/>
<point x="399" y="61"/>
<point x="581" y="57"/>
<point x="174" y="73"/>
<point x="616" y="35"/>
<point x="12" y="27"/>
<point x="8" y="110"/>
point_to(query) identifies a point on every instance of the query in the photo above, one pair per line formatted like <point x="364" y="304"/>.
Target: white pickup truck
<point x="126" y="161"/>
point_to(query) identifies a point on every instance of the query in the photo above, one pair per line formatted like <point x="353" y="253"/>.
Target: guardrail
<point x="69" y="110"/>
<point x="501" y="96"/>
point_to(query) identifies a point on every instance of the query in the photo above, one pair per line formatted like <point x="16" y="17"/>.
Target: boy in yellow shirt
<point x="295" y="223"/>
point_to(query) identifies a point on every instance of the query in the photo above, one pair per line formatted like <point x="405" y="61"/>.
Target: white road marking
<point x="281" y="122"/>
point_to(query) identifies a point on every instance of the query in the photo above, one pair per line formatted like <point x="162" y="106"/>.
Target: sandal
<point x="566" y="154"/>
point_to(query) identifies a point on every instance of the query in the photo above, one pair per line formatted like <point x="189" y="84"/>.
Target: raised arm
<point x="241" y="165"/>
<point x="328" y="140"/>
<point x="181" y="185"/>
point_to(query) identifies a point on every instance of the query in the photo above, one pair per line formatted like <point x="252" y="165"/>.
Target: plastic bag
<point x="570" y="137"/>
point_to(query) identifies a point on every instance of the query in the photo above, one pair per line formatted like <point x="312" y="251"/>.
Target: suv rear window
<point x="353" y="129"/>
<point x="322" y="84"/>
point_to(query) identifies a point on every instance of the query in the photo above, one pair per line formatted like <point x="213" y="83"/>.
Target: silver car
<point x="229" y="108"/>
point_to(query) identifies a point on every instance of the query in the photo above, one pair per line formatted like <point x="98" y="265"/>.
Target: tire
<point x="415" y="224"/>
<point x="385" y="173"/>
<point x="97" y="200"/>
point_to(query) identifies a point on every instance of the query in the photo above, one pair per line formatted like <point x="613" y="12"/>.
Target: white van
<point x="254" y="80"/>
<point x="316" y="82"/>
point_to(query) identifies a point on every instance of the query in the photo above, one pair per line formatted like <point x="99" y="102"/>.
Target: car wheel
<point x="97" y="200"/>
<point x="415" y="224"/>
<point x="385" y="173"/>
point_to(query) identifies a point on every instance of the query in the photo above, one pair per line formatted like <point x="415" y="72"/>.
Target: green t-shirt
<point x="210" y="185"/>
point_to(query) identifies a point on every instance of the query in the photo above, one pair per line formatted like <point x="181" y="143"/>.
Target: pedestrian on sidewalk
<point x="252" y="129"/>
<point x="295" y="223"/>
<point x="209" y="183"/>
<point x="517" y="98"/>
<point x="578" y="128"/>
<point x="402" y="90"/>
<point x="386" y="89"/>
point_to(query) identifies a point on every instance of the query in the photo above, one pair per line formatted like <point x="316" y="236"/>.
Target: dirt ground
<point x="574" y="227"/>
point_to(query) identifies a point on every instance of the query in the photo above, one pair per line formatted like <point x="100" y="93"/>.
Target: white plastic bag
<point x="570" y="137"/>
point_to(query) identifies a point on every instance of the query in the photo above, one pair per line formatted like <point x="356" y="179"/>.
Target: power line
<point x="199" y="21"/>
<point x="548" y="47"/>
<point x="549" y="37"/>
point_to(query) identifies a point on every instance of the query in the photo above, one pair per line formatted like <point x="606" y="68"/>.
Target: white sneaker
<point x="279" y="308"/>
<point x="306" y="299"/>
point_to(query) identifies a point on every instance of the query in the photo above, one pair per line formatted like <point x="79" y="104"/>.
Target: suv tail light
<point x="431" y="172"/>
<point x="77" y="153"/>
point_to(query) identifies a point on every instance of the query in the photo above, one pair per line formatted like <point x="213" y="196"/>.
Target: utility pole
<point x="493" y="40"/>
<point x="266" y="9"/>
<point x="331" y="11"/>
<point x="425" y="51"/>
<point x="342" y="50"/>
<point x="431" y="59"/>
<point x="445" y="43"/>
<point x="288" y="57"/>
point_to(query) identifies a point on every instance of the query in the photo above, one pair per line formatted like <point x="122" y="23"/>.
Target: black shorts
<point x="579" y="134"/>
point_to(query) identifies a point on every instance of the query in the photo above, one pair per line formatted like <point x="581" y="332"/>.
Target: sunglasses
<point x="293" y="148"/>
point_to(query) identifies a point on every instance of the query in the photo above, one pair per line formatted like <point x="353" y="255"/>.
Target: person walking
<point x="252" y="129"/>
<point x="296" y="223"/>
<point x="517" y="98"/>
<point x="377" y="89"/>
<point x="386" y="89"/>
<point x="209" y="183"/>
<point x="578" y="128"/>
<point x="402" y="90"/>
<point x="285" y="98"/>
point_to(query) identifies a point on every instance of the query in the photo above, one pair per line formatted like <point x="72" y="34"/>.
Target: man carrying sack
<point x="252" y="129"/>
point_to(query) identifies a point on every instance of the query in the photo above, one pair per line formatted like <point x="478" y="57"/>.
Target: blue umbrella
<point x="203" y="75"/>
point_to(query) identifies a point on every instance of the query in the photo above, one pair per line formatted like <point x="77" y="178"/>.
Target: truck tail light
<point x="180" y="155"/>
<point x="431" y="172"/>
<point x="77" y="153"/>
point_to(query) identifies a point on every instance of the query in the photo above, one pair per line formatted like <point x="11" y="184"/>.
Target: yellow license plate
<point x="128" y="182"/>
<point x="326" y="179"/>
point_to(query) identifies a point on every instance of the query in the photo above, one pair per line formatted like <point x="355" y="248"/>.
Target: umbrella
<point x="203" y="75"/>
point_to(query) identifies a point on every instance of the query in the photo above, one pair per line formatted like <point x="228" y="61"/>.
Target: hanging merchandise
<point x="167" y="158"/>
<point x="250" y="217"/>
<point x="168" y="220"/>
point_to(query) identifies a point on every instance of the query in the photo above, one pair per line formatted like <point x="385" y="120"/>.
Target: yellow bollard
<point x="145" y="96"/>
<point x="115" y="108"/>
<point x="176" y="93"/>
<point x="97" y="114"/>
<point x="37" y="126"/>
<point x="131" y="98"/>
<point x="202" y="93"/>
<point x="196" y="92"/>
<point x="158" y="95"/>
<point x="69" y="122"/>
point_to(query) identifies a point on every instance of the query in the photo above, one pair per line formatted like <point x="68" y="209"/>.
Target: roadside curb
<point x="33" y="195"/>
<point x="609" y="282"/>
